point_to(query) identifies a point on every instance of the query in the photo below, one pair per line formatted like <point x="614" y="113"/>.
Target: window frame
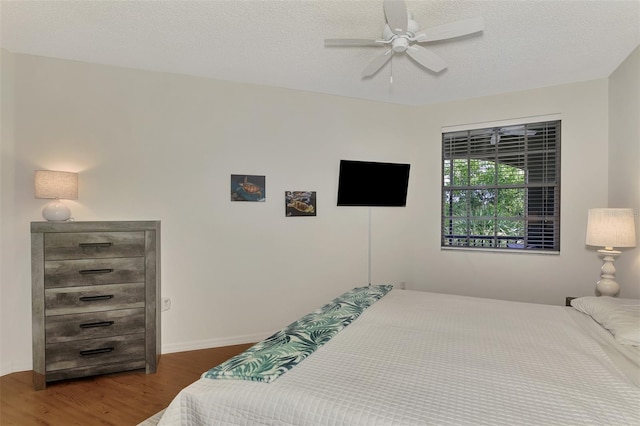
<point x="543" y="228"/>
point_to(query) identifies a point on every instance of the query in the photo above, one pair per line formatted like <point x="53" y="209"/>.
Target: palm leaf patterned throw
<point x="269" y="359"/>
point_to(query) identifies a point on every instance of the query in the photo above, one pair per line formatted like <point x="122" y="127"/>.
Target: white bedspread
<point x="418" y="358"/>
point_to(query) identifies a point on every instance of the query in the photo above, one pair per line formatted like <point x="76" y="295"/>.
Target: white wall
<point x="161" y="146"/>
<point x="520" y="276"/>
<point x="11" y="348"/>
<point x="624" y="162"/>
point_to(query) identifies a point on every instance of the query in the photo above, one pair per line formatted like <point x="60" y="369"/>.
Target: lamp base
<point x="607" y="285"/>
<point x="55" y="211"/>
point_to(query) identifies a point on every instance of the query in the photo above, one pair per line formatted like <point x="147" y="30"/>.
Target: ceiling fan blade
<point x="396" y="13"/>
<point x="518" y="128"/>
<point x="377" y="63"/>
<point x="518" y="132"/>
<point x="333" y="42"/>
<point x="427" y="59"/>
<point x="451" y="30"/>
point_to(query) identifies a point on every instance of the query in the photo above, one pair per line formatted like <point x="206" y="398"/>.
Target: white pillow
<point x="620" y="316"/>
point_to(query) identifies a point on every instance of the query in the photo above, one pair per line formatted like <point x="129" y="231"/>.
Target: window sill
<point x="500" y="250"/>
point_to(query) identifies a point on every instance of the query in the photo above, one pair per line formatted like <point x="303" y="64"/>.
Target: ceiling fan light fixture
<point x="400" y="44"/>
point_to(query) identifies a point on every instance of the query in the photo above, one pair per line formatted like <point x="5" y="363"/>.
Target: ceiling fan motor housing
<point x="401" y="42"/>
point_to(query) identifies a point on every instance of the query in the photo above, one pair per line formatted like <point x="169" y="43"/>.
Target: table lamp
<point x="56" y="185"/>
<point x="610" y="228"/>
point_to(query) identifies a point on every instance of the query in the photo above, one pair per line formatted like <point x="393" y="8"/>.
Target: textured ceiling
<point x="525" y="44"/>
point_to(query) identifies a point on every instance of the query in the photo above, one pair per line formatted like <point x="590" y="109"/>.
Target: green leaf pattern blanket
<point x="269" y="359"/>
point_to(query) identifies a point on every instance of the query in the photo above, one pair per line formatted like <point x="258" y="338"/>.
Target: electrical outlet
<point x="402" y="285"/>
<point x="166" y="304"/>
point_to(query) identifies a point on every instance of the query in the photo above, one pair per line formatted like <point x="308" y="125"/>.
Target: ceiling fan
<point x="401" y="34"/>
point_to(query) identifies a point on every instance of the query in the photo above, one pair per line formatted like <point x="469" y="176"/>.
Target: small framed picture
<point x="300" y="203"/>
<point x="248" y="188"/>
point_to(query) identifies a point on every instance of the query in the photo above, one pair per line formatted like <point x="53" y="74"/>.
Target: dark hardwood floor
<point x="115" y="399"/>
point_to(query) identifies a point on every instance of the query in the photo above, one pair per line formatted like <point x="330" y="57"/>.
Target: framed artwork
<point x="248" y="188"/>
<point x="300" y="203"/>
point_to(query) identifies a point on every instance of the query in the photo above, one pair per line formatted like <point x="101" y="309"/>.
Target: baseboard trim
<point x="214" y="343"/>
<point x="16" y="366"/>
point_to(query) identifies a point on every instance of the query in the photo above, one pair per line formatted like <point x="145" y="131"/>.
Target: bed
<point x="420" y="358"/>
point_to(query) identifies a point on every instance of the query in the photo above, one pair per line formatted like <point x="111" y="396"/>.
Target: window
<point x="501" y="188"/>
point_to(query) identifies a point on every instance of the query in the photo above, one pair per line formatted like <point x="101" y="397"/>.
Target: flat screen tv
<point x="366" y="183"/>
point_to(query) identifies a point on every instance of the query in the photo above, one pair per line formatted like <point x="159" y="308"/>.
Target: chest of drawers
<point x="95" y="298"/>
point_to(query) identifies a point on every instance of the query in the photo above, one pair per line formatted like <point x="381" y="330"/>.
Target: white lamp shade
<point x="54" y="184"/>
<point x="611" y="228"/>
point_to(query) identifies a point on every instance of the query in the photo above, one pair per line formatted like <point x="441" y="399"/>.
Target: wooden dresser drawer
<point x="82" y="353"/>
<point x="95" y="298"/>
<point x="94" y="325"/>
<point x="70" y="273"/>
<point x="76" y="300"/>
<point x="93" y="245"/>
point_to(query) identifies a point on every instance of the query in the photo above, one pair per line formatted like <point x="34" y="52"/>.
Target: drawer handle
<point x="97" y="351"/>
<point x="96" y="271"/>
<point x="96" y="245"/>
<point x="95" y="298"/>
<point x="97" y="324"/>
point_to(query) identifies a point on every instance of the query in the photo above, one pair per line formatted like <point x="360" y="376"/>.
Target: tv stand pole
<point x="369" y="259"/>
